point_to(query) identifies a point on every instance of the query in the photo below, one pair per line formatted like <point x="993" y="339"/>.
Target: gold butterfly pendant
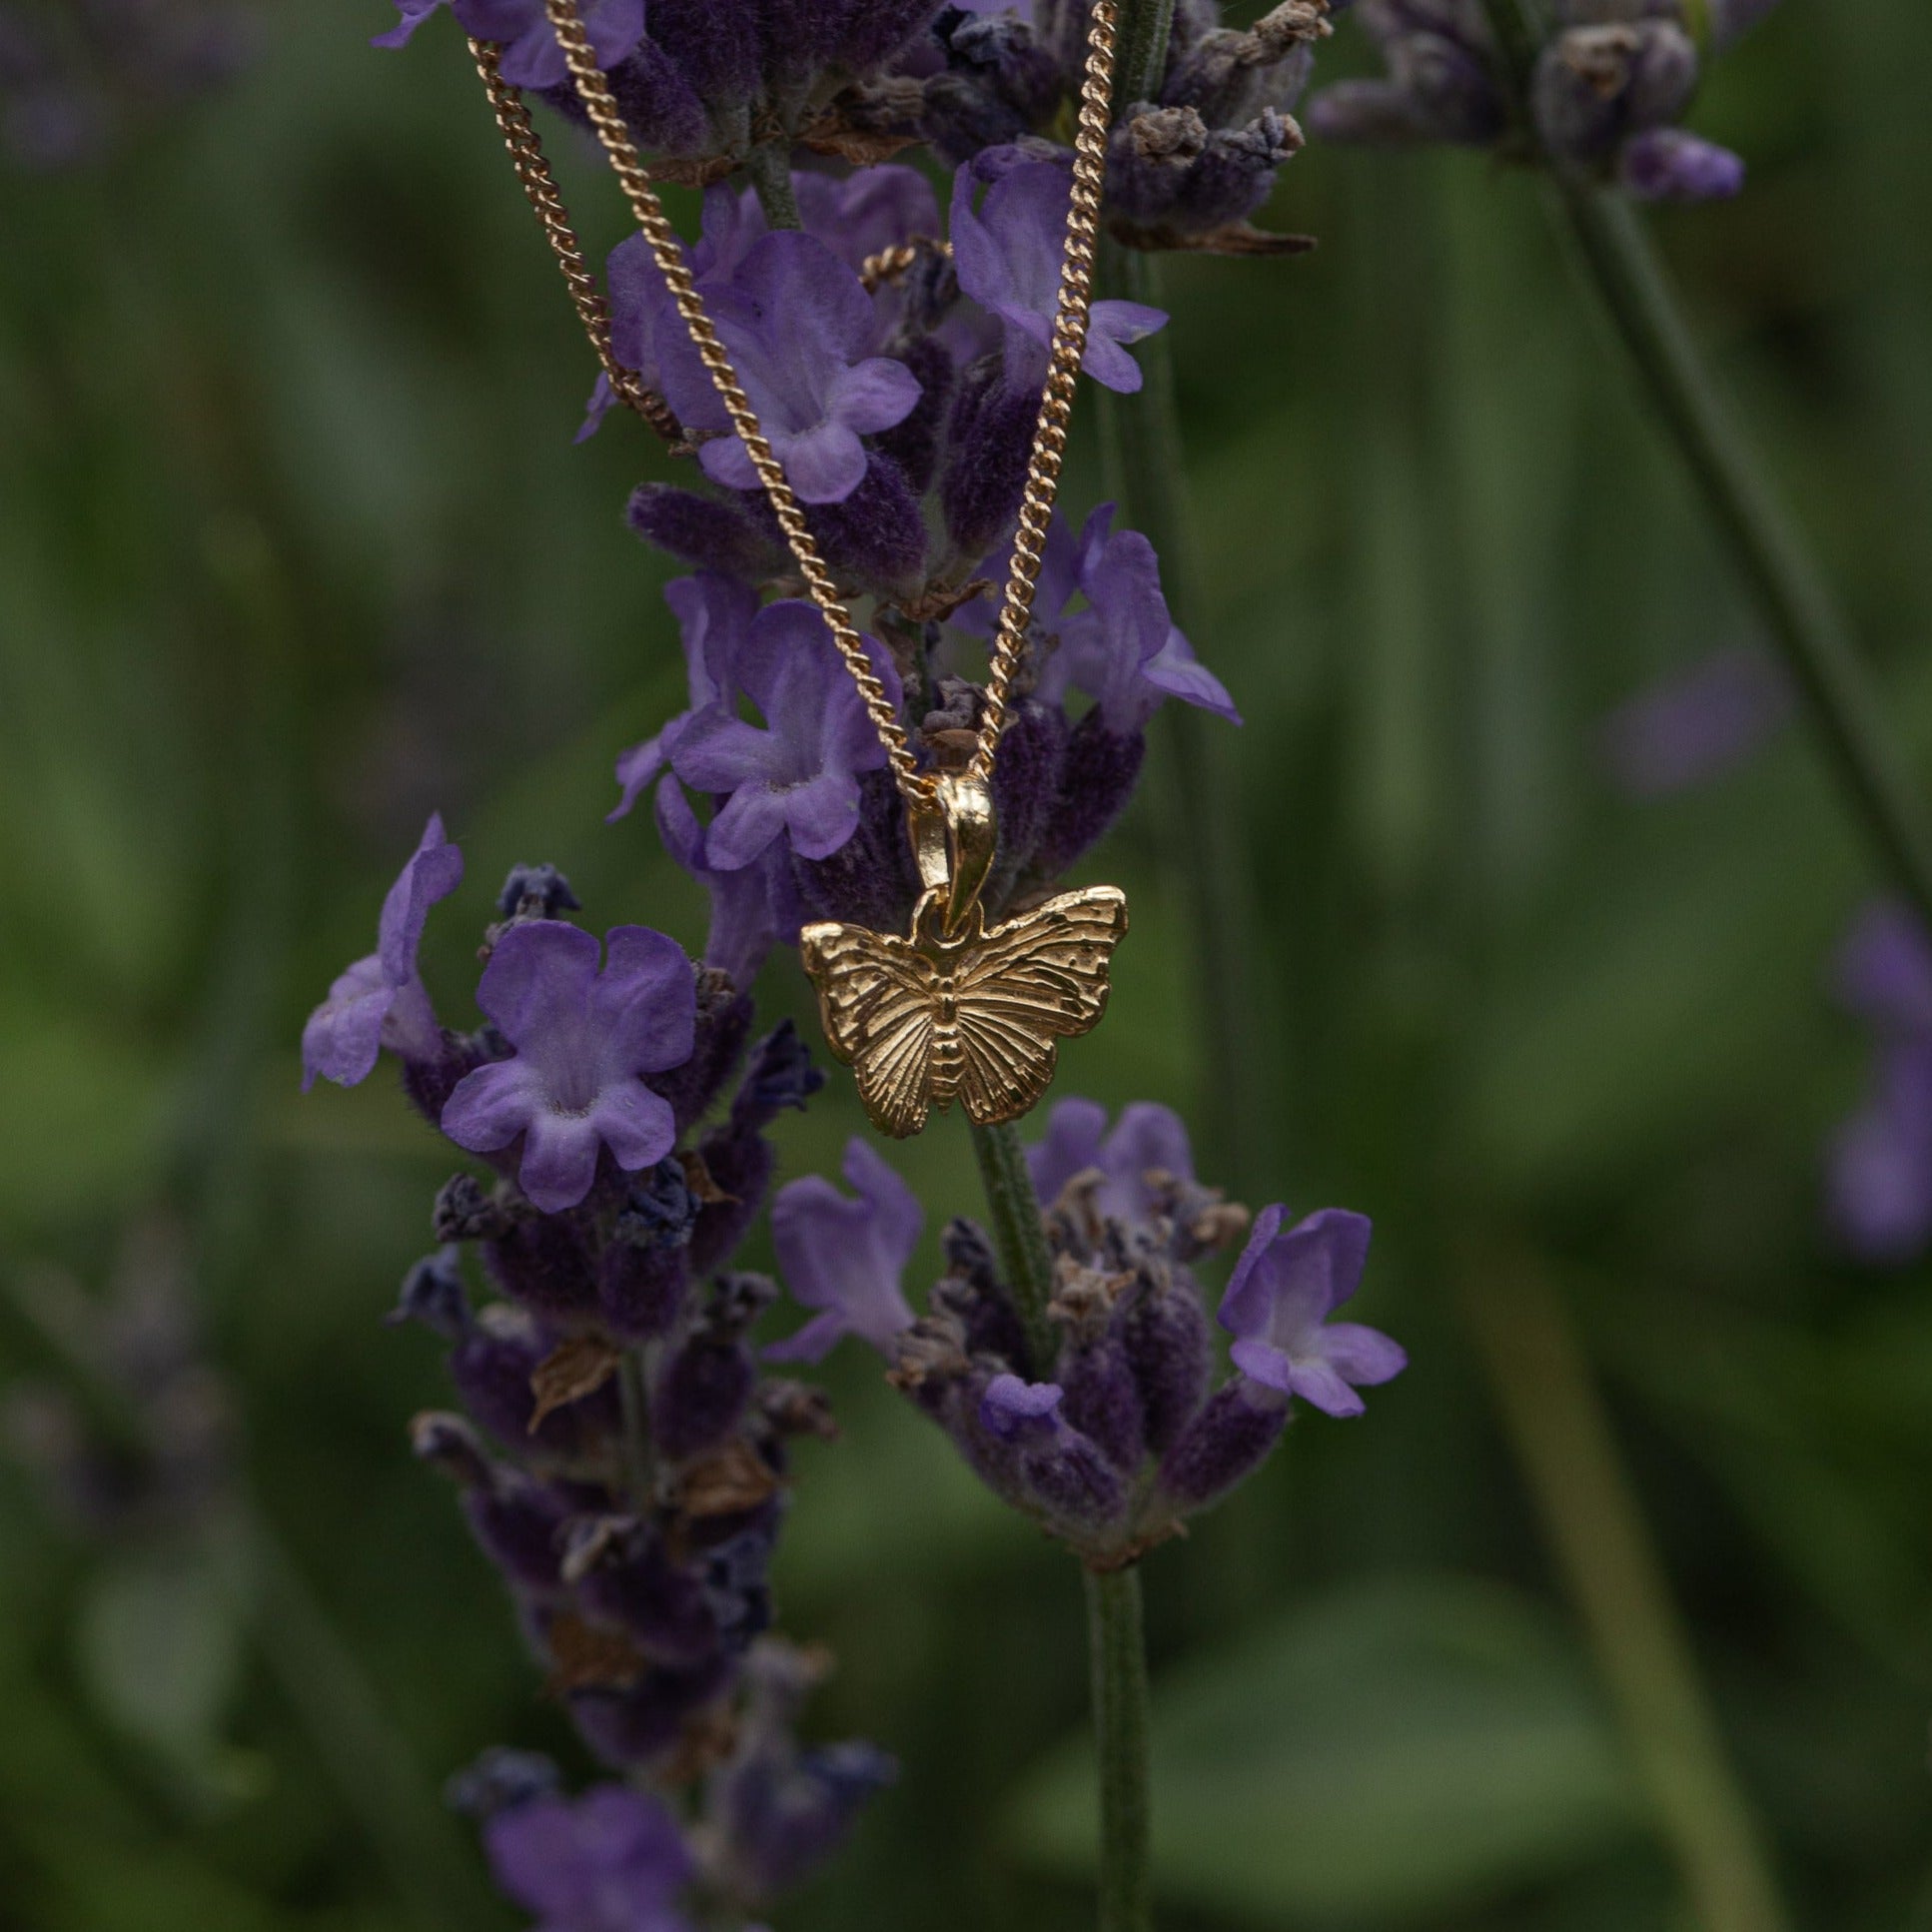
<point x="955" y="1011"/>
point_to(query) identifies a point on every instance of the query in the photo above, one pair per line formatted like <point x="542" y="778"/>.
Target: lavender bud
<point x="706" y="1383"/>
<point x="625" y="1577"/>
<point x="492" y="1368"/>
<point x="1102" y="1400"/>
<point x="1596" y="84"/>
<point x="724" y="1019"/>
<point x="878" y="533"/>
<point x="542" y="1263"/>
<point x="1098" y="778"/>
<point x="638" y="1725"/>
<point x="713" y="44"/>
<point x="702" y="531"/>
<point x="972" y="1292"/>
<point x="989" y="440"/>
<point x="1225" y="1443"/>
<point x="467" y="1210"/>
<point x="1164" y="1330"/>
<point x="658" y="102"/>
<point x="781" y="1077"/>
<point x="536" y="892"/>
<point x="1027" y="781"/>
<point x="913" y="445"/>
<point x="1666" y="164"/>
<point x="500" y="1780"/>
<point x="433" y="1293"/>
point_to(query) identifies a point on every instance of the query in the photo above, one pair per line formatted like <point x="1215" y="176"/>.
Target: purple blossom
<point x="582" y="1039"/>
<point x="1284" y="1287"/>
<point x="381" y="1001"/>
<point x="798" y="774"/>
<point x="1008" y="254"/>
<point x="846" y="1258"/>
<point x="753" y="907"/>
<point x="714" y="615"/>
<point x="612" y="1861"/>
<point x="1880" y="1183"/>
<point x="800" y="329"/>
<point x="1696" y="725"/>
<point x="1147" y="1140"/>
<point x="532" y="55"/>
<point x="1100" y="607"/>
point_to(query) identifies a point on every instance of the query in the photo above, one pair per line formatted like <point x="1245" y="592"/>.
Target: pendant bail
<point x="954" y="838"/>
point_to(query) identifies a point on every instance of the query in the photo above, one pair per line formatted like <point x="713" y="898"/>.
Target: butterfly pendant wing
<point x="978" y="1019"/>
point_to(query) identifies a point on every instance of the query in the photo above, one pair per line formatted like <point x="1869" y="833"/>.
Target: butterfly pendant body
<point x="975" y="1017"/>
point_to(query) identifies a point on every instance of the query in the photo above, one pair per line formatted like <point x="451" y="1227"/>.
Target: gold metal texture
<point x="929" y="1019"/>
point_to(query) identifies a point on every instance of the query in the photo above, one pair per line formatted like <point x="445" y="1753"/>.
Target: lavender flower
<point x="846" y="1259"/>
<point x="797" y="775"/>
<point x="800" y="329"/>
<point x="1008" y="254"/>
<point x="753" y="907"/>
<point x="582" y="1039"/>
<point x="1278" y="1306"/>
<point x="1697" y="725"/>
<point x="1880" y="1161"/>
<point x="612" y="1860"/>
<point x="379" y="1001"/>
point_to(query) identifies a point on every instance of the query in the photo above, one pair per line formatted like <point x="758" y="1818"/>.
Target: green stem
<point x="1594" y="1521"/>
<point x="1145" y="464"/>
<point x="770" y="165"/>
<point x="1116" y="1645"/>
<point x="1146" y="30"/>
<point x="1841" y="699"/>
<point x="1844" y="704"/>
<point x="1021" y="1238"/>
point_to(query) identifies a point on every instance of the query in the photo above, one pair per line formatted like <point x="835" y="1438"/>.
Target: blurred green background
<point x="294" y="546"/>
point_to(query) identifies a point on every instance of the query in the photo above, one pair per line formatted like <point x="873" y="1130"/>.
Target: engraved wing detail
<point x="978" y="1019"/>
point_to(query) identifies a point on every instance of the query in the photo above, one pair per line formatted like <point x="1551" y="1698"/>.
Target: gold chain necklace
<point x="955" y="1009"/>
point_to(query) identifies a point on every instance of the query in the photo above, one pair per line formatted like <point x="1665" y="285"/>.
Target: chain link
<point x="540" y="185"/>
<point x="1068" y="347"/>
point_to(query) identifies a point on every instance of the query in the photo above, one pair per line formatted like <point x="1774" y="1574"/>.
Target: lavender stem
<point x="1020" y="1235"/>
<point x="1117" y="1645"/>
<point x="770" y="165"/>
<point x="1798" y="610"/>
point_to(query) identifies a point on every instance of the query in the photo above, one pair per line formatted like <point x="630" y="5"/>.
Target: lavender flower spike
<point x="583" y="1038"/>
<point x="614" y="1861"/>
<point x="1008" y="255"/>
<point x="800" y="774"/>
<point x="379" y="1001"/>
<point x="800" y="328"/>
<point x="846" y="1258"/>
<point x="1284" y="1289"/>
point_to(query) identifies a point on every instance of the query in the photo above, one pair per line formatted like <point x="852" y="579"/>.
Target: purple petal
<point x="1011" y="1407"/>
<point x="434" y="872"/>
<point x="1881" y="1163"/>
<point x="1363" y="1355"/>
<point x="642" y="765"/>
<point x="413" y="13"/>
<point x="344" y="1036"/>
<point x="717" y="752"/>
<point x="875" y="395"/>
<point x="559" y="1158"/>
<point x="645" y="1003"/>
<point x="1075" y="1131"/>
<point x="1175" y="669"/>
<point x="820" y="816"/>
<point x="1318" y="1383"/>
<point x="753" y="817"/>
<point x="815" y="1340"/>
<point x="823" y="464"/>
<point x="897" y="1215"/>
<point x="538" y="979"/>
<point x="636" y="1124"/>
<point x="493" y="1105"/>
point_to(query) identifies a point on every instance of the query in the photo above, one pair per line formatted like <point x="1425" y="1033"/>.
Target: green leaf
<point x="1385" y="1751"/>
